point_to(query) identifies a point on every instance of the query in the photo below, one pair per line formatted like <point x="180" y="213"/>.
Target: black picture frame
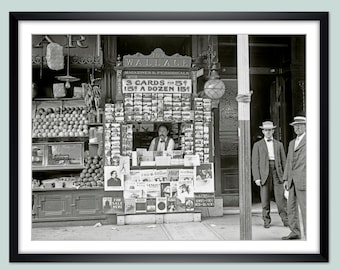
<point x="321" y="17"/>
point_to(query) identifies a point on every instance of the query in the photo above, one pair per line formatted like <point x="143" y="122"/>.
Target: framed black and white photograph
<point x="112" y="178"/>
<point x="245" y="93"/>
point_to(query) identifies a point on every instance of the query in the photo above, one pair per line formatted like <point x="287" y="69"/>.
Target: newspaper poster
<point x="204" y="178"/>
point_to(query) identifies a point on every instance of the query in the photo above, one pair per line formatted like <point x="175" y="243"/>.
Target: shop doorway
<point x="268" y="103"/>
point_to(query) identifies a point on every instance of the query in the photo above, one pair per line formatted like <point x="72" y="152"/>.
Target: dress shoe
<point x="266" y="225"/>
<point x="291" y="236"/>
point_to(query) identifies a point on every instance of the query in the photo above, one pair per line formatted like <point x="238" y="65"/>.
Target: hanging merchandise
<point x="92" y="95"/>
<point x="54" y="56"/>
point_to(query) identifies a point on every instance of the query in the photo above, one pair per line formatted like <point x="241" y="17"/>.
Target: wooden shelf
<point x="66" y="189"/>
<point x="57" y="168"/>
<point x="161" y="167"/>
<point x="58" y="99"/>
<point x="59" y="139"/>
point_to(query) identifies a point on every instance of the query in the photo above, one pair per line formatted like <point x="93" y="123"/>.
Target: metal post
<point x="243" y="98"/>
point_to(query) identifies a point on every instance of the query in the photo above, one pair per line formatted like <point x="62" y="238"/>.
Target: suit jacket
<point x="260" y="160"/>
<point x="114" y="182"/>
<point x="295" y="169"/>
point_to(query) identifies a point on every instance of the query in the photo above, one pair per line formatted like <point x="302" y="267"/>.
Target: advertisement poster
<point x="107" y="204"/>
<point x="204" y="199"/>
<point x="185" y="189"/>
<point x="204" y="178"/>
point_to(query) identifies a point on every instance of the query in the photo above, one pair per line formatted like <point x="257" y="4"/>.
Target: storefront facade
<point x="134" y="75"/>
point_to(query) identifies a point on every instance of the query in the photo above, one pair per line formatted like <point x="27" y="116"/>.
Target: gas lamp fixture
<point x="67" y="78"/>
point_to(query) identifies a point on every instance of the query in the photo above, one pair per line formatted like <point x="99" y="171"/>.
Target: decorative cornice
<point x="74" y="60"/>
<point x="85" y="60"/>
<point x="157" y="58"/>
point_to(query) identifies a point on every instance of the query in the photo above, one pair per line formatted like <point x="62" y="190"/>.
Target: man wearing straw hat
<point x="295" y="179"/>
<point x="268" y="161"/>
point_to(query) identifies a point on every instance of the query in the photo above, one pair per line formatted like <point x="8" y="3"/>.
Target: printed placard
<point x="156" y="86"/>
<point x="204" y="199"/>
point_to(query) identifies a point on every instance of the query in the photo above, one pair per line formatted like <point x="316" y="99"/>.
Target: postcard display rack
<point x="167" y="186"/>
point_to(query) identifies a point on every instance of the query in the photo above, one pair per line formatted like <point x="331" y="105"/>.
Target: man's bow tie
<point x="269" y="140"/>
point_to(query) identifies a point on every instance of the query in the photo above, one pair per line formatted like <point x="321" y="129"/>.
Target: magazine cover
<point x="173" y="175"/>
<point x="204" y="178"/>
<point x="132" y="194"/>
<point x="142" y="187"/>
<point x="153" y="189"/>
<point x="141" y="205"/>
<point x="186" y="175"/>
<point x="161" y="205"/>
<point x="134" y="176"/>
<point x="129" y="184"/>
<point x="150" y="205"/>
<point x="130" y="206"/>
<point x="165" y="189"/>
<point x="147" y="175"/>
<point x="161" y="175"/>
<point x="172" y="204"/>
<point x="189" y="204"/>
<point x="169" y="189"/>
<point x="113" y="180"/>
<point x="107" y="204"/>
<point x="185" y="188"/>
<point x="173" y="189"/>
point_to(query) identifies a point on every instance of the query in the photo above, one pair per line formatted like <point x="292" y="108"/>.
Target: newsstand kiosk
<point x="157" y="186"/>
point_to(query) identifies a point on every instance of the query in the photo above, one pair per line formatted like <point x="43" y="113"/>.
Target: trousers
<point x="273" y="184"/>
<point x="296" y="198"/>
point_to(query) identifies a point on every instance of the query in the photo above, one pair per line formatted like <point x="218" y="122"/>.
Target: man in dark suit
<point x="268" y="161"/>
<point x="295" y="179"/>
<point x="114" y="180"/>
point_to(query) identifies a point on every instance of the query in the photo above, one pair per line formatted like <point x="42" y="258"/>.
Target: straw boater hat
<point x="267" y="125"/>
<point x="298" y="120"/>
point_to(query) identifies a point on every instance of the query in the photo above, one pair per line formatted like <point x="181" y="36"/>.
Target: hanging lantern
<point x="214" y="88"/>
<point x="67" y="78"/>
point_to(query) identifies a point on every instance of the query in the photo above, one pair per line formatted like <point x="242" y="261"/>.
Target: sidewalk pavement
<point x="226" y="228"/>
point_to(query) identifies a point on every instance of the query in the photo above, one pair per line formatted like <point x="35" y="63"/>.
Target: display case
<point x="57" y="155"/>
